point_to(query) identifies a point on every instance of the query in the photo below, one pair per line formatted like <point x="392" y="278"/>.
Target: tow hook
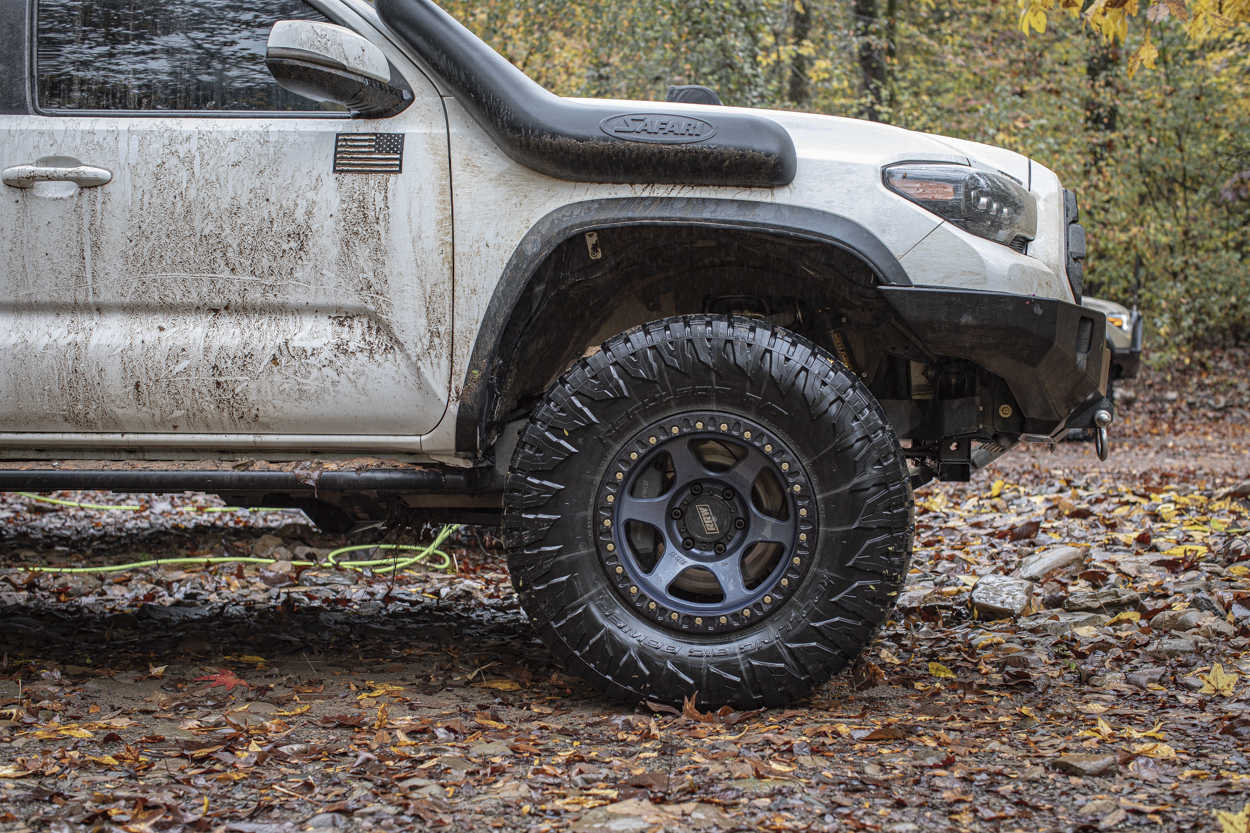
<point x="1102" y="418"/>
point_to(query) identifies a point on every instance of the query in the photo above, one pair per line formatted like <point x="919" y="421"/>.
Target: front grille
<point x="1019" y="243"/>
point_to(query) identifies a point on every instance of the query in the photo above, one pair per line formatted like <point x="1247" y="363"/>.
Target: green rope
<point x="192" y="508"/>
<point x="383" y="566"/>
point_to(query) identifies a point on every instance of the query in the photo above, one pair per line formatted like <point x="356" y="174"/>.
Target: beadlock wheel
<point x="707" y="521"/>
<point x="711" y="505"/>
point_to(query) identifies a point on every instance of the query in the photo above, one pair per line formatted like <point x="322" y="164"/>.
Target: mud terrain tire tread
<point x="866" y="520"/>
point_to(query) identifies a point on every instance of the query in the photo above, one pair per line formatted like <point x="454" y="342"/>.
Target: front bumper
<point x="1052" y="354"/>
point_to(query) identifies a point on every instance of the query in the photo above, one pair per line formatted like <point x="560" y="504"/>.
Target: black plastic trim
<point x="564" y="139"/>
<point x="478" y="392"/>
<point x="14" y="57"/>
<point x="1052" y="354"/>
<point x="408" y="481"/>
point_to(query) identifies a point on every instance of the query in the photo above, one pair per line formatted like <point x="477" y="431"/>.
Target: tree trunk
<point x="871" y="58"/>
<point x="800" y="91"/>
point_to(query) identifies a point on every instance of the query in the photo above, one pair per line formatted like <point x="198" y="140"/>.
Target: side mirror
<point x="325" y="62"/>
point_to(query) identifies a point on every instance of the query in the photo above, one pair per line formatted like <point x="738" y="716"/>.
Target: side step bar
<point x="394" y="481"/>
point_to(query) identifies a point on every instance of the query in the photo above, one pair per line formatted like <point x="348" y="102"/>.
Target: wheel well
<point x="604" y="281"/>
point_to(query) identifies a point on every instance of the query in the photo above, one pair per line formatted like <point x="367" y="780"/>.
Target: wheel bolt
<point x="676" y="514"/>
<point x="688" y="544"/>
<point x="719" y="548"/>
<point x="696" y="489"/>
<point x="729" y="494"/>
<point x="739" y="523"/>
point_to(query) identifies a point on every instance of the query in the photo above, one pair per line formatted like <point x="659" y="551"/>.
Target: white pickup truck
<point x="692" y="358"/>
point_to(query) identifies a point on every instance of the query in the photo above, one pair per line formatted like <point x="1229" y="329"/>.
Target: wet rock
<point x="1208" y="603"/>
<point x="266" y="544"/>
<point x="1086" y="765"/>
<point x="1145" y="677"/>
<point x="1241" y="613"/>
<point x="1193" y="683"/>
<point x="326" y="821"/>
<point x="1062" y="622"/>
<point x="1176" y="620"/>
<point x="1001" y="597"/>
<point x="1109" y="598"/>
<point x="638" y="814"/>
<point x="1038" y="566"/>
<point x="309" y="578"/>
<point x="1178" y="646"/>
<point x="488" y="750"/>
<point x="915" y="598"/>
<point x="1099" y="807"/>
<point x="1216" y="629"/>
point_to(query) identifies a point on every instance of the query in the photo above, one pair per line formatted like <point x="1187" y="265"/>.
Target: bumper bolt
<point x="696" y="489"/>
<point x="676" y="514"/>
<point x="739" y="523"/>
<point x="687" y="544"/>
<point x="719" y="548"/>
<point x="729" y="494"/>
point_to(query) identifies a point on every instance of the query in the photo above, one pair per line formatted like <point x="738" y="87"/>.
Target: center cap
<point x="709" y="519"/>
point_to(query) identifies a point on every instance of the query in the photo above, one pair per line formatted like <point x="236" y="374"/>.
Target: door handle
<point x="84" y="176"/>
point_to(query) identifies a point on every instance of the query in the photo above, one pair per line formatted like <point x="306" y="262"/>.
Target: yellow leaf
<point x="1217" y="681"/>
<point x="1154" y="750"/>
<point x="937" y="669"/>
<point x="890" y="658"/>
<point x="13" y="771"/>
<point x="1027" y="712"/>
<point x="105" y="760"/>
<point x="293" y="712"/>
<point x="1125" y="616"/>
<point x="1239" y="570"/>
<point x="381" y="690"/>
<point x="1234" y="822"/>
<point x="1102" y="730"/>
<point x="499" y="685"/>
<point x="1152" y="733"/>
<point x="1086" y="632"/>
<point x="997" y="488"/>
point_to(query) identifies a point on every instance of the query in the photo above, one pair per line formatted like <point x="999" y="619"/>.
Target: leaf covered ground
<point x="274" y="699"/>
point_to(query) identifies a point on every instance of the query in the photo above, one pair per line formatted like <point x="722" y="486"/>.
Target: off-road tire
<point x="806" y="407"/>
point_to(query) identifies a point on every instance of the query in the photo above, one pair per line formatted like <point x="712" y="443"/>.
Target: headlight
<point x="992" y="206"/>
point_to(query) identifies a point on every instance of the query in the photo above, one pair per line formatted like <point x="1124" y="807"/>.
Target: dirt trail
<point x="274" y="700"/>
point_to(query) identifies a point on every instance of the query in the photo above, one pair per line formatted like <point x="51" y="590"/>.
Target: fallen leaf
<point x="937" y="669"/>
<point x="1234" y="822"/>
<point x="1217" y="681"/>
<point x="499" y="685"/>
<point x="13" y="771"/>
<point x="223" y="678"/>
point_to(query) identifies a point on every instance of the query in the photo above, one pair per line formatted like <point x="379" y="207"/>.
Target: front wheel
<point x="711" y="505"/>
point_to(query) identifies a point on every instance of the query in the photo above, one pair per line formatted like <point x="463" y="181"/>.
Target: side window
<point x="162" y="55"/>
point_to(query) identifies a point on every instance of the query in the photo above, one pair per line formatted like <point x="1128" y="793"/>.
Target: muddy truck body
<point x="693" y="359"/>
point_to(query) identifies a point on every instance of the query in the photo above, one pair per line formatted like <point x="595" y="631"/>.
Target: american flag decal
<point x="369" y="153"/>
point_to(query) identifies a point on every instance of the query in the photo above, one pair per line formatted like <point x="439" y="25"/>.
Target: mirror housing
<point x="325" y="62"/>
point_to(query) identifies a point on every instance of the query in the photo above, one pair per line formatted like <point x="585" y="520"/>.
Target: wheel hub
<point x="706" y="522"/>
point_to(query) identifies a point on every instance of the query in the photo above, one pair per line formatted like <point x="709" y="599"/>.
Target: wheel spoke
<point x="650" y="511"/>
<point x="728" y="572"/>
<point x="670" y="567"/>
<point x="764" y="529"/>
<point x="686" y="466"/>
<point x="742" y="476"/>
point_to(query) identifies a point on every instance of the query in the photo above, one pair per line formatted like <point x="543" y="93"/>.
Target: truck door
<point x="215" y="255"/>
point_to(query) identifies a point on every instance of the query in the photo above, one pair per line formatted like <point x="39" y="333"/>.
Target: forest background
<point x="1159" y="156"/>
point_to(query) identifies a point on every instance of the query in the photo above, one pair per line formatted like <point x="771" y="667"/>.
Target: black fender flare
<point x="479" y="389"/>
